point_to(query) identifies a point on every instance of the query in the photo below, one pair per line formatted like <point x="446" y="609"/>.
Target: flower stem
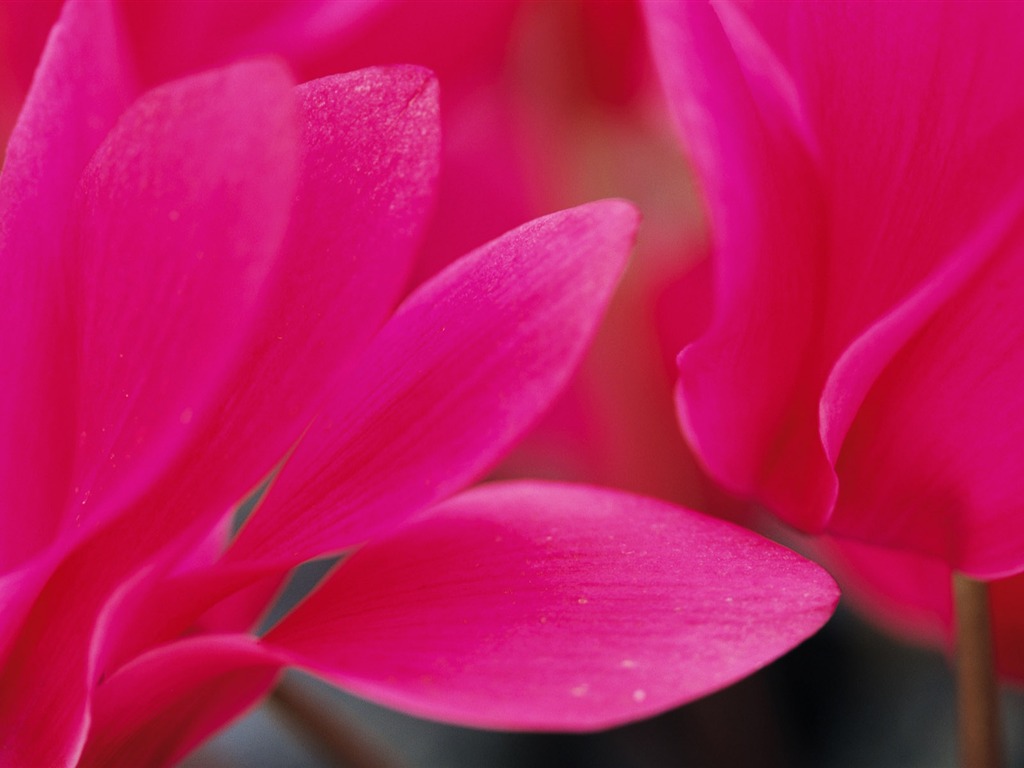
<point x="977" y="692"/>
<point x="329" y="736"/>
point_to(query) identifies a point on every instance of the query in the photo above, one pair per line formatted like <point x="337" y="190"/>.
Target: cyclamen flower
<point x="198" y="296"/>
<point x="866" y="206"/>
<point x="545" y="105"/>
<point x="861" y="165"/>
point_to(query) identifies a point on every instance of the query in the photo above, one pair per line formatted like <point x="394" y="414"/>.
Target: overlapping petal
<point x="904" y="134"/>
<point x="186" y="213"/>
<point x="463" y="368"/>
<point x="155" y="425"/>
<point x="155" y="710"/>
<point x="544" y="606"/>
<point x="68" y="112"/>
<point x="930" y="463"/>
<point x="362" y="203"/>
<point x="223" y="265"/>
<point x="757" y="179"/>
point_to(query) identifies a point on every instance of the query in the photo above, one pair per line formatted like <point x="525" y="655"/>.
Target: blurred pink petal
<point x="865" y="236"/>
<point x="756" y="178"/>
<point x="544" y="606"/>
<point x="23" y="30"/>
<point x="65" y="118"/>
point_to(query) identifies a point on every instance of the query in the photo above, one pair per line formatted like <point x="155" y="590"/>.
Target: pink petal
<point x="465" y="366"/>
<point x="180" y="217"/>
<point x="544" y="606"/>
<point x="217" y="152"/>
<point x="156" y="710"/>
<point x="930" y="462"/>
<point x="758" y="182"/>
<point x="105" y="603"/>
<point x="902" y="180"/>
<point x="367" y="174"/>
<point x="80" y="88"/>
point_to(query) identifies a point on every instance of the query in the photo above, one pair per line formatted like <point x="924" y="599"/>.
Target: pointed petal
<point x="465" y="366"/>
<point x="180" y="216"/>
<point x="160" y="707"/>
<point x="368" y="169"/>
<point x="218" y="151"/>
<point x="544" y="606"/>
<point x="81" y="86"/>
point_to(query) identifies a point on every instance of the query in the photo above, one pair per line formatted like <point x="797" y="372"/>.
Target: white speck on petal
<point x="628" y="664"/>
<point x="580" y="690"/>
<point x="639" y="695"/>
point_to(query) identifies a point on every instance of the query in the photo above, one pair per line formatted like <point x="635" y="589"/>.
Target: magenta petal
<point x="180" y="216"/>
<point x="160" y="707"/>
<point x="758" y="181"/>
<point x="931" y="462"/>
<point x="80" y="88"/>
<point x="463" y="369"/>
<point x="367" y="170"/>
<point x="367" y="175"/>
<point x="553" y="607"/>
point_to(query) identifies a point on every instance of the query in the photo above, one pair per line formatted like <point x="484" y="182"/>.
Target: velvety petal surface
<point x="464" y="367"/>
<point x="180" y="211"/>
<point x="545" y="606"/>
<point x="180" y="216"/>
<point x="82" y="85"/>
<point x="368" y="164"/>
<point x="161" y="706"/>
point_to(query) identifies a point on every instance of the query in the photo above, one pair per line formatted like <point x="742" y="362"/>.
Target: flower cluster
<point x="216" y="369"/>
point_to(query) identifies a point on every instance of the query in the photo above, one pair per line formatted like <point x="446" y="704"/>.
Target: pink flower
<point x="861" y="167"/>
<point x="544" y="106"/>
<point x="199" y="295"/>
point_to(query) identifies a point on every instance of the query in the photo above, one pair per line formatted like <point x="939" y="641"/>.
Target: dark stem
<point x="329" y="735"/>
<point x="977" y="691"/>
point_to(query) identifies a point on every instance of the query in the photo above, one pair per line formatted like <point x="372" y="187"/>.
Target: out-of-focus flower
<point x="861" y="167"/>
<point x="198" y="293"/>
